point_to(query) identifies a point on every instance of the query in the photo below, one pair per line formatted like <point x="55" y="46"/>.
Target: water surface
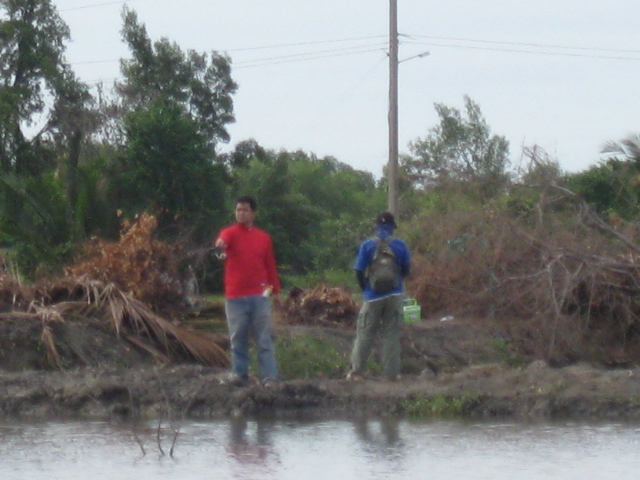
<point x="362" y="449"/>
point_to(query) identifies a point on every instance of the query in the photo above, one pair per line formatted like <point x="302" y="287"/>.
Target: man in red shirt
<point x="250" y="277"/>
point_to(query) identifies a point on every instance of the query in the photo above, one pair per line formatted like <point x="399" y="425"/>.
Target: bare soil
<point x="463" y="368"/>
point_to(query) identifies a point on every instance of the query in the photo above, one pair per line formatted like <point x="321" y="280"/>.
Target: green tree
<point x="166" y="166"/>
<point x="459" y="148"/>
<point x="286" y="214"/>
<point x="160" y="71"/>
<point x="45" y="116"/>
<point x="317" y="210"/>
<point x="37" y="231"/>
<point x="613" y="186"/>
<point x="626" y="149"/>
<point x="175" y="107"/>
<point x="38" y="90"/>
<point x="348" y="201"/>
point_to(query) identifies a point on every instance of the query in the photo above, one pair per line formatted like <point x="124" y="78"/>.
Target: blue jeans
<point x="251" y="316"/>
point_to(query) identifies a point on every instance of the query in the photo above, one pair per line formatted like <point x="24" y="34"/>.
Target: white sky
<point x="504" y="54"/>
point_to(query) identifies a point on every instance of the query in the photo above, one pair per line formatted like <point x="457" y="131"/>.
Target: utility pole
<point x="392" y="170"/>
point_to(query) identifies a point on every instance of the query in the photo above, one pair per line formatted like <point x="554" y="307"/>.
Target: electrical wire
<point x="309" y="56"/>
<point x="300" y="44"/>
<point x="94" y="5"/>
<point x="522" y="44"/>
<point x="533" y="52"/>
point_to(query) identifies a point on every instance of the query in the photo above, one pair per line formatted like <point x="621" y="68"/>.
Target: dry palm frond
<point x="14" y="295"/>
<point x="123" y="311"/>
<point x="201" y="347"/>
<point x="47" y="314"/>
<point x="18" y="315"/>
<point x="50" y="346"/>
<point x="130" y="319"/>
<point x="147" y="347"/>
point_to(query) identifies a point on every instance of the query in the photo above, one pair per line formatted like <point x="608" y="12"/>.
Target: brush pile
<point x="566" y="286"/>
<point x="115" y="291"/>
<point x="321" y="305"/>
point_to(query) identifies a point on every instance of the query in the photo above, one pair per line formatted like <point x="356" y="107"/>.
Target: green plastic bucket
<point x="411" y="310"/>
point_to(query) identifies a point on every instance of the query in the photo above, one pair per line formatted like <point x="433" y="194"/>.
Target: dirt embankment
<point x="450" y="368"/>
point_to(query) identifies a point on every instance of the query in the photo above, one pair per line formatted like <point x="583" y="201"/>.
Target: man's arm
<point x="404" y="260"/>
<point x="222" y="240"/>
<point x="405" y="270"/>
<point x="362" y="263"/>
<point x="272" y="269"/>
<point x="362" y="280"/>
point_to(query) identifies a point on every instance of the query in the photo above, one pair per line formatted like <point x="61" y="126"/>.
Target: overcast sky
<point x="313" y="75"/>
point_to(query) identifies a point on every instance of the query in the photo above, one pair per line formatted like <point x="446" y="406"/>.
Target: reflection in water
<point x="383" y="434"/>
<point x="376" y="449"/>
<point x="250" y="443"/>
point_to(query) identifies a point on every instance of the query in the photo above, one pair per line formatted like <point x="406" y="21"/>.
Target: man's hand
<point x="276" y="301"/>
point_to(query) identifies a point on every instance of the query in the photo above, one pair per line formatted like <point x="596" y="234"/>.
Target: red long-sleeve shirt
<point x="250" y="266"/>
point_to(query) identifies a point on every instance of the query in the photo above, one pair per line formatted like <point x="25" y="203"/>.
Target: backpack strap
<point x="379" y="240"/>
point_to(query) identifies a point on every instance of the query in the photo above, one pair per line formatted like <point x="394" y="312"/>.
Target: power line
<point x="522" y="44"/>
<point x="309" y="56"/>
<point x="313" y="55"/>
<point x="95" y="5"/>
<point x="88" y="62"/>
<point x="305" y="59"/>
<point x="534" y="52"/>
<point x="271" y="60"/>
<point x="361" y="49"/>
<point x="285" y="45"/>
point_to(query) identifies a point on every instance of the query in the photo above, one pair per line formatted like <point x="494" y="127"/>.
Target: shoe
<point x="270" y="383"/>
<point x="354" y="377"/>
<point x="236" y="380"/>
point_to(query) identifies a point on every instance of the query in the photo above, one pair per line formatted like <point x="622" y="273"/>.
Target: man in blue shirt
<point x="381" y="312"/>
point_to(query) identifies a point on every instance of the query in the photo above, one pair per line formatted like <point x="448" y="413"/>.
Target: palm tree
<point x="627" y="149"/>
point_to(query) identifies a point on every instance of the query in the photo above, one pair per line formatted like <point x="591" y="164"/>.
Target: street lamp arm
<point x="420" y="55"/>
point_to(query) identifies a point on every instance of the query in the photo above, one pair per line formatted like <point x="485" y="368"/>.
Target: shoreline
<point x="490" y="391"/>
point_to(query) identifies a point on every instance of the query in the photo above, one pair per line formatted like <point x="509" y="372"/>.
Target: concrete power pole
<point x="392" y="170"/>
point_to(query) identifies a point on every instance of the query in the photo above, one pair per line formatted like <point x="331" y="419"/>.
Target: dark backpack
<point x="383" y="271"/>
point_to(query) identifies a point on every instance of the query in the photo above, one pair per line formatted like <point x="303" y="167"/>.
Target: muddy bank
<point x="194" y="392"/>
<point x="454" y="368"/>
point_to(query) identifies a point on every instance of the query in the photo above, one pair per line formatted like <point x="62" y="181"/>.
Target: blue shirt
<point x="365" y="257"/>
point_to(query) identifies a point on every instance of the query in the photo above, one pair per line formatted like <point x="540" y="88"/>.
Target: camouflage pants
<point x="384" y="318"/>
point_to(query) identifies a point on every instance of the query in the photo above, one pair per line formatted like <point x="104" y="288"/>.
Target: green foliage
<point x="289" y="216"/>
<point x="349" y="202"/>
<point x="200" y="84"/>
<point x="626" y="149"/>
<point x="438" y="406"/>
<point x="305" y="356"/>
<point x="177" y="105"/>
<point x="36" y="85"/>
<point x="331" y="277"/>
<point x="317" y="210"/>
<point x="34" y="221"/>
<point x="39" y="215"/>
<point x="506" y="353"/>
<point x="166" y="167"/>
<point x="611" y="188"/>
<point x="460" y="148"/>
